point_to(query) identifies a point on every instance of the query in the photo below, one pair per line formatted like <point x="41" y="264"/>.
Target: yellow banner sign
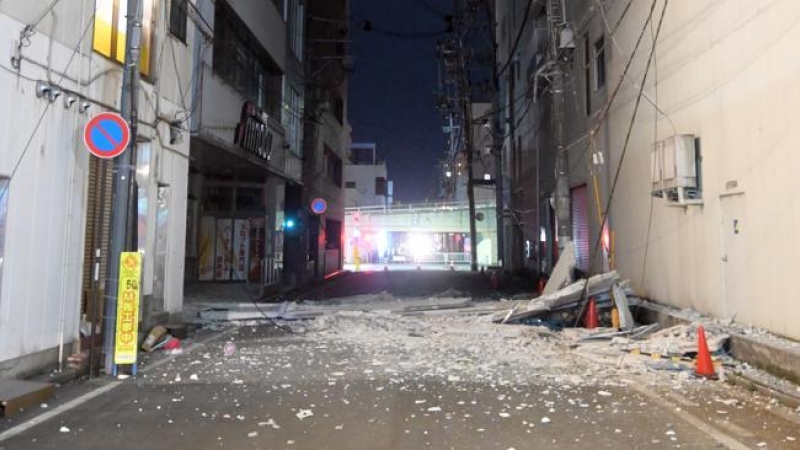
<point x="125" y="348"/>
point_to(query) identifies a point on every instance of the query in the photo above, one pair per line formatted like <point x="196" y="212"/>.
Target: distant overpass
<point x="426" y="233"/>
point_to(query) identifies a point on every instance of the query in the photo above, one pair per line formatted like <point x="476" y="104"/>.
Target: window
<point x="249" y="199"/>
<point x="241" y="61"/>
<point x="3" y="213"/>
<point x="295" y="20"/>
<point x="380" y="186"/>
<point x="177" y="18"/>
<point x="292" y="116"/>
<point x="350" y="185"/>
<point x="218" y="199"/>
<point x="110" y="27"/>
<point x="587" y="75"/>
<point x="333" y="167"/>
<point x="599" y="63"/>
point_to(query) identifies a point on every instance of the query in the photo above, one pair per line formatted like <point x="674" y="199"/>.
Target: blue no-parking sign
<point x="319" y="206"/>
<point x="107" y="135"/>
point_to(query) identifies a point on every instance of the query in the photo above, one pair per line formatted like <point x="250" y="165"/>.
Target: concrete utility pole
<point x="121" y="232"/>
<point x="555" y="12"/>
<point x="497" y="140"/>
<point x="469" y="148"/>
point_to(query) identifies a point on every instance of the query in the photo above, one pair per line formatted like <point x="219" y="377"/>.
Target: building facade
<point x="683" y="141"/>
<point x="63" y="67"/>
<point x="366" y="177"/>
<point x="247" y="149"/>
<point x="314" y="249"/>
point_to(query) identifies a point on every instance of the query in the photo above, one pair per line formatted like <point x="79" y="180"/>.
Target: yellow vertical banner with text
<point x="125" y="345"/>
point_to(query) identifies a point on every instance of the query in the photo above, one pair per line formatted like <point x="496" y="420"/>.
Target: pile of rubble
<point x="606" y="289"/>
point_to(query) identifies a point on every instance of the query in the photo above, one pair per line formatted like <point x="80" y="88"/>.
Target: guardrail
<point x="418" y="207"/>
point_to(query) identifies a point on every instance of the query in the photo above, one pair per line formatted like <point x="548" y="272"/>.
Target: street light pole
<point x="469" y="149"/>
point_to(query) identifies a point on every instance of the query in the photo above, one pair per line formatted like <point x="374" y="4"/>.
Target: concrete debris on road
<point x="290" y="311"/>
<point x="606" y="289"/>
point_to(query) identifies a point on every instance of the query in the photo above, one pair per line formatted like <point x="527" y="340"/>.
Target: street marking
<point x="25" y="426"/>
<point x="38" y="420"/>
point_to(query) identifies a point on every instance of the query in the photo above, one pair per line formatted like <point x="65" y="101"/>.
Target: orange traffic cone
<point x="591" y="320"/>
<point x="704" y="367"/>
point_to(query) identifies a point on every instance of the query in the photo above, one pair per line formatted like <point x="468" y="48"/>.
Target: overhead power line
<point x="44" y="112"/>
<point x="630" y="127"/>
<point x="368" y="26"/>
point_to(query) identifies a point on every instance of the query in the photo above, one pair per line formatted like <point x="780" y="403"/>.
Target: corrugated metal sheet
<point x="580" y="226"/>
<point x="97" y="213"/>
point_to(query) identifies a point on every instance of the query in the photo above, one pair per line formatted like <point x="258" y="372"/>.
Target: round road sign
<point x="319" y="206"/>
<point x="107" y="135"/>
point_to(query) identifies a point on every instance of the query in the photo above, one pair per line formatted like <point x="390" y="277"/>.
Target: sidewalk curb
<point x="746" y="382"/>
<point x="780" y="362"/>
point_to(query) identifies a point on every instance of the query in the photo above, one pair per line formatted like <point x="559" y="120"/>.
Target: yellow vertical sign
<point x="130" y="268"/>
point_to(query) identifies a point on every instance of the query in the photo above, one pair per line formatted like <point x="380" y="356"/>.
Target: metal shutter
<point x="95" y="207"/>
<point x="580" y="226"/>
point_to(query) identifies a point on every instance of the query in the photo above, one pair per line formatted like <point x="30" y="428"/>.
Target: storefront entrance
<point x="236" y="237"/>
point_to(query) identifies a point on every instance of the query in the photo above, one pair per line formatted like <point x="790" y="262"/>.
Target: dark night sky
<point x="392" y="91"/>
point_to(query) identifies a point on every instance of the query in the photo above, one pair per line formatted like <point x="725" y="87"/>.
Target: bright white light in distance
<point x="419" y="245"/>
<point x="382" y="239"/>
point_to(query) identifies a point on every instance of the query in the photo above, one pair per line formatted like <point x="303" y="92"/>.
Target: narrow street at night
<point x="365" y="378"/>
<point x="399" y="224"/>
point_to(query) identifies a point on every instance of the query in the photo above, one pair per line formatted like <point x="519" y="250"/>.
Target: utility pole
<point x="469" y="148"/>
<point x="121" y="237"/>
<point x="559" y="54"/>
<point x="497" y="140"/>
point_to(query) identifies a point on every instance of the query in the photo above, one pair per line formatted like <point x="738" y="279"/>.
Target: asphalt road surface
<point x="375" y="381"/>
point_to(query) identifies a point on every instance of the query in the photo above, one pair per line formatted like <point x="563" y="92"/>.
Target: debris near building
<point x="567" y="304"/>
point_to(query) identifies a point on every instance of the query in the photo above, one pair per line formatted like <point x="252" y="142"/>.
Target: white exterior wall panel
<point x="41" y="286"/>
<point x="725" y="74"/>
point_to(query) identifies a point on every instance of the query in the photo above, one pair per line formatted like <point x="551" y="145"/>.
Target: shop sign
<point x="252" y="132"/>
<point x="125" y="347"/>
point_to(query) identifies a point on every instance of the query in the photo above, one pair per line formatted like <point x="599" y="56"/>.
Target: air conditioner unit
<point x="674" y="168"/>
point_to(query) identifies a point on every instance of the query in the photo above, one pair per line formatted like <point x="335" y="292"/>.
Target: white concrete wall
<point x="364" y="177"/>
<point x="41" y="284"/>
<point x="728" y="73"/>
